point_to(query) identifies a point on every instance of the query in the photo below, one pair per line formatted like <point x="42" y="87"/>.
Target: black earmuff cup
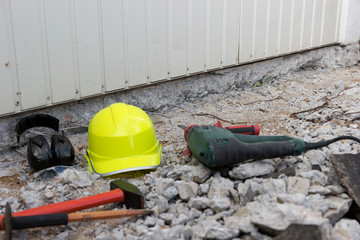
<point x="62" y="150"/>
<point x="39" y="153"/>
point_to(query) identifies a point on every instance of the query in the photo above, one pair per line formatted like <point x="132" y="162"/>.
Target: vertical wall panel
<point x="197" y="38"/>
<point x="113" y="17"/>
<point x="7" y="104"/>
<point x="307" y="24"/>
<point x="231" y="35"/>
<point x="260" y="29"/>
<point x="246" y="30"/>
<point x="60" y="34"/>
<point x="317" y="23"/>
<point x="179" y="37"/>
<point x="88" y="46"/>
<point x="159" y="40"/>
<point x="296" y="28"/>
<point x="137" y="41"/>
<point x="214" y="34"/>
<point x="329" y="30"/>
<point x="273" y="31"/>
<point x="284" y="40"/>
<point x="30" y="45"/>
<point x="58" y="50"/>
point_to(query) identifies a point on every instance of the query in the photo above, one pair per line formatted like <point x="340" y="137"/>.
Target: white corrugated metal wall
<point x="53" y="51"/>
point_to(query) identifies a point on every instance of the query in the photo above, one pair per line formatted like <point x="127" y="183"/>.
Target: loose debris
<point x="256" y="200"/>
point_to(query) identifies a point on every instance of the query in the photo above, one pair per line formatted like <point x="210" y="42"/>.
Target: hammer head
<point x="133" y="198"/>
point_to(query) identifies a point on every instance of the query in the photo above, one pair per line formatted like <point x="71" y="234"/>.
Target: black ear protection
<point x="41" y="154"/>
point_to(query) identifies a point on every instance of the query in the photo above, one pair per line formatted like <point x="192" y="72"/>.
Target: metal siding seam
<point x="127" y="81"/>
<point x="19" y="107"/>
<point x="207" y="32"/>
<point x="102" y="58"/>
<point x="312" y="25"/>
<point x="280" y="21"/>
<point x="267" y="28"/>
<point x="223" y="39"/>
<point x="189" y="37"/>
<point x="302" y="25"/>
<point x="343" y="22"/>
<point x="47" y="53"/>
<point x="170" y="40"/>
<point x="78" y="93"/>
<point x="148" y="11"/>
<point x="336" y="37"/>
<point x="253" y="40"/>
<point x="291" y="26"/>
<point x="239" y="31"/>
<point x="322" y="22"/>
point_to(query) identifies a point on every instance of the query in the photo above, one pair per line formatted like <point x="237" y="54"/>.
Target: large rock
<point x="212" y="229"/>
<point x="252" y="169"/>
<point x="300" y="232"/>
<point x="346" y="229"/>
<point x="338" y="208"/>
<point x="276" y="217"/>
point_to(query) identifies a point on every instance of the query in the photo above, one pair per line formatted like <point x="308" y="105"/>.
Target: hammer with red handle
<point x="120" y="191"/>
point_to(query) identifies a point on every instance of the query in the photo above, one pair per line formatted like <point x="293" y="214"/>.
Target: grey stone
<point x="199" y="203"/>
<point x="80" y="178"/>
<point x="278" y="217"/>
<point x="294" y="198"/>
<point x="220" y="187"/>
<point x="204" y="188"/>
<point x="31" y="199"/>
<point x="272" y="187"/>
<point x="211" y="229"/>
<point x="315" y="177"/>
<point x="179" y="220"/>
<point x="300" y="232"/>
<point x="252" y="169"/>
<point x="318" y="203"/>
<point x="240" y="220"/>
<point x="338" y="207"/>
<point x="248" y="190"/>
<point x="162" y="184"/>
<point x="346" y="229"/>
<point x="298" y="185"/>
<point x="319" y="189"/>
<point x="219" y="204"/>
<point x="187" y="190"/>
<point x="170" y="193"/>
<point x="167" y="217"/>
<point x="157" y="201"/>
<point x="201" y="173"/>
<point x="150" y="222"/>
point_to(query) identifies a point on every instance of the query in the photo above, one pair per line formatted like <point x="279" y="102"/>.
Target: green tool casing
<point x="217" y="147"/>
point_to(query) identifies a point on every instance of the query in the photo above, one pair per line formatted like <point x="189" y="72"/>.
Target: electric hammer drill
<point x="218" y="147"/>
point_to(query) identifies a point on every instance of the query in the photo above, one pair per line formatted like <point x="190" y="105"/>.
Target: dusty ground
<point x="312" y="104"/>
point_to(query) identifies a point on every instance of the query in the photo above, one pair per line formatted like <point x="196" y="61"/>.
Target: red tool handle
<point x="242" y="129"/>
<point x="116" y="195"/>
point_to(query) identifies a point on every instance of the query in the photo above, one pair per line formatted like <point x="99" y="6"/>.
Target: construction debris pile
<point x="293" y="197"/>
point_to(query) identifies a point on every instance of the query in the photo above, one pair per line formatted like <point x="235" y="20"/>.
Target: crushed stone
<point x="191" y="201"/>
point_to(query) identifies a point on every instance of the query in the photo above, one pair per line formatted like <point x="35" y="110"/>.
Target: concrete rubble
<point x="312" y="96"/>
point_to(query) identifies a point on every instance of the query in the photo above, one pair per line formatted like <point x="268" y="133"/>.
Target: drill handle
<point x="237" y="152"/>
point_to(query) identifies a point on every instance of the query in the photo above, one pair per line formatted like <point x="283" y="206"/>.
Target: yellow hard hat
<point x="121" y="139"/>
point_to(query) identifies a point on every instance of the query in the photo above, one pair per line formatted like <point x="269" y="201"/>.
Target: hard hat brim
<point x="150" y="160"/>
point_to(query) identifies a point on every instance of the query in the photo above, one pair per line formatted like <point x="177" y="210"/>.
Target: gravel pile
<point x="254" y="200"/>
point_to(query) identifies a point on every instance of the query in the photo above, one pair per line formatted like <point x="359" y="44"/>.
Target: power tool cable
<point x="316" y="145"/>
